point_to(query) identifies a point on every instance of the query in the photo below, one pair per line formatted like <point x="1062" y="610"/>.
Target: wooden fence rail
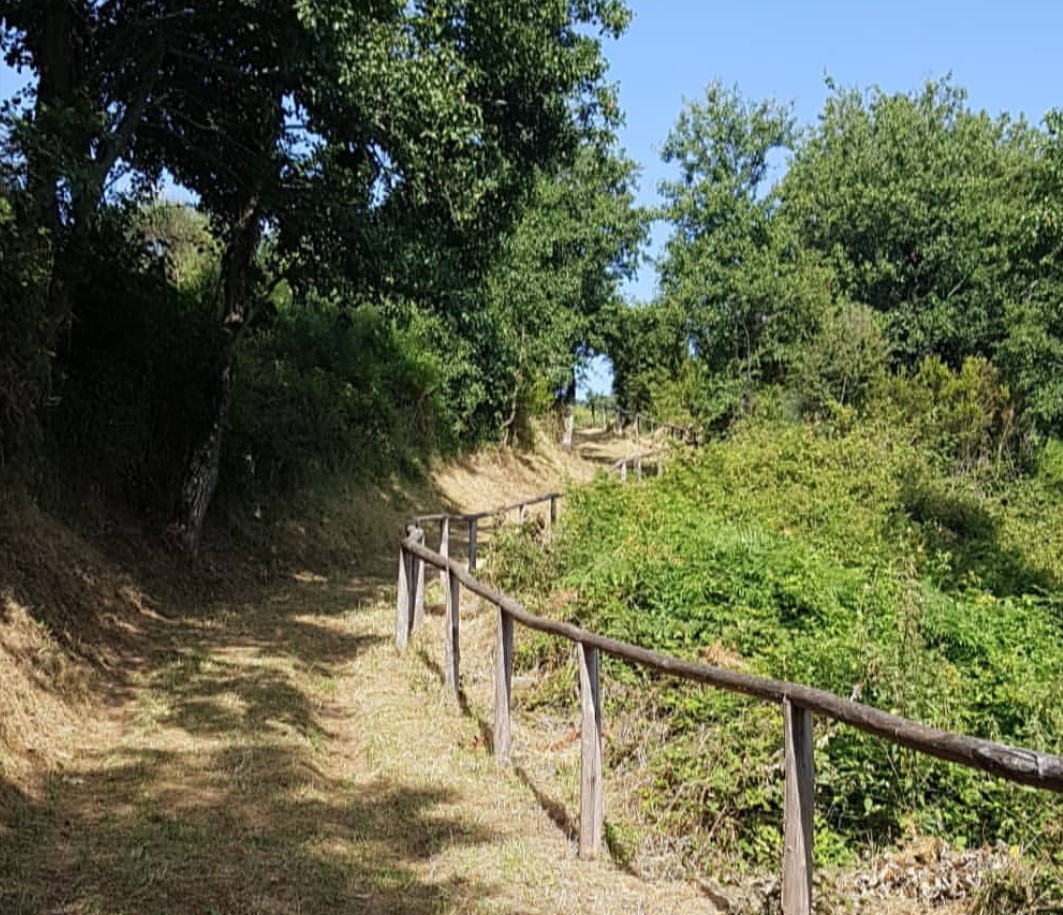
<point x="642" y="423"/>
<point x="798" y="702"/>
<point x="445" y="520"/>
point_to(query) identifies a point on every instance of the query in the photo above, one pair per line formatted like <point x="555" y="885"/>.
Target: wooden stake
<point x="444" y="548"/>
<point x="591" y="812"/>
<point x="402" y="602"/>
<point x="418" y="594"/>
<point x="503" y="686"/>
<point x="798" y="808"/>
<point x="452" y="660"/>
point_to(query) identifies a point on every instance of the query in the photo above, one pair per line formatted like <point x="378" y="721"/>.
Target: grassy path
<point x="281" y="757"/>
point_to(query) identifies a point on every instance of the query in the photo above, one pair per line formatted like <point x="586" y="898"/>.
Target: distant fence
<point x="642" y="424"/>
<point x="798" y="702"/>
<point x="637" y="465"/>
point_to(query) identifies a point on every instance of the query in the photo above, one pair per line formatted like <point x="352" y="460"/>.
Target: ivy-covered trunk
<point x="204" y="461"/>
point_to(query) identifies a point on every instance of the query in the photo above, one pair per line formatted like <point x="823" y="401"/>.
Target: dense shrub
<point x="852" y="562"/>
<point x="132" y="373"/>
<point x="324" y="390"/>
<point x="24" y="342"/>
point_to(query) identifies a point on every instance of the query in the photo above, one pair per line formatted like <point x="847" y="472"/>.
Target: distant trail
<point x="274" y="757"/>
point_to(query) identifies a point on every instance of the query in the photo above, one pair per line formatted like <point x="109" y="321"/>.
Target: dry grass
<point x="221" y="746"/>
<point x="259" y="747"/>
<point x="499" y="476"/>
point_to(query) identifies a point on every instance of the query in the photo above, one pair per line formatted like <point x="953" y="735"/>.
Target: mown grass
<point x="854" y="562"/>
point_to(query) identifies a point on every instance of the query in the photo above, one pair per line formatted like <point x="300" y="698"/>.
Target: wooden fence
<point x="642" y="424"/>
<point x="637" y="464"/>
<point x="798" y="704"/>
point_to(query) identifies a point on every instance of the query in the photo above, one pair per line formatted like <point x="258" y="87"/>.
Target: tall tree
<point x="1031" y="353"/>
<point x="381" y="145"/>
<point x="747" y="292"/>
<point x="916" y="199"/>
<point x="558" y="275"/>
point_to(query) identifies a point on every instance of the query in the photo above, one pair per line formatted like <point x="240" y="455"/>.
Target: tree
<point x="379" y="146"/>
<point x="1031" y="353"/>
<point x="914" y="200"/>
<point x="747" y="291"/>
<point x="558" y="276"/>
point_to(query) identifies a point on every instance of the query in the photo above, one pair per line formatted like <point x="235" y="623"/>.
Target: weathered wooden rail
<point x="641" y="422"/>
<point x="636" y="463"/>
<point x="472" y="521"/>
<point x="798" y="704"/>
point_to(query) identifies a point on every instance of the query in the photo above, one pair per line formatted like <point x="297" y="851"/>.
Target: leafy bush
<point x="323" y="390"/>
<point x="24" y="341"/>
<point x="965" y="416"/>
<point x="844" y="362"/>
<point x="854" y="563"/>
<point x="132" y="377"/>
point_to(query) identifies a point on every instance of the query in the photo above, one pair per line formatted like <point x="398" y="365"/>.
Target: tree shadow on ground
<point x="259" y="829"/>
<point x="228" y="798"/>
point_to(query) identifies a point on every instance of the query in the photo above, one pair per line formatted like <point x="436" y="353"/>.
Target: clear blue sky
<point x="1008" y="55"/>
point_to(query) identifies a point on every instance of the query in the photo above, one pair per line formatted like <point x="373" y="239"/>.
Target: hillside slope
<point x="223" y="742"/>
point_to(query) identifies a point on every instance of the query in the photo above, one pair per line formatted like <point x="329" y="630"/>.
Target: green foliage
<point x="557" y="277"/>
<point x="966" y="417"/>
<point x="343" y="152"/>
<point x="646" y="345"/>
<point x="24" y="363"/>
<point x="748" y="294"/>
<point x="856" y="562"/>
<point x="844" y="363"/>
<point x="915" y="200"/>
<point x="324" y="391"/>
<point x="132" y="375"/>
<point x="1032" y="351"/>
<point x="942" y="220"/>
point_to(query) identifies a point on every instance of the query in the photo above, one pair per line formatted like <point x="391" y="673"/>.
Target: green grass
<point x="856" y="563"/>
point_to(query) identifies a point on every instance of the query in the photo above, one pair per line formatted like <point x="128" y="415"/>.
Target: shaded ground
<point x="278" y="756"/>
<point x="274" y="754"/>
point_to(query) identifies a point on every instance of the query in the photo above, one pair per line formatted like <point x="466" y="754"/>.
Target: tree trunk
<point x="204" y="463"/>
<point x="58" y="63"/>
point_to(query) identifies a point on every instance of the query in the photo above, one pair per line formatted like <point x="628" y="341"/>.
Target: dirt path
<point x="281" y="757"/>
<point x="285" y="759"/>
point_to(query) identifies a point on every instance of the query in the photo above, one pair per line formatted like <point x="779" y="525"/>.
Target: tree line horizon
<point x="410" y="230"/>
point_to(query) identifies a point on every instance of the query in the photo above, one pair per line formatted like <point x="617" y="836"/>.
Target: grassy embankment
<point x="854" y="562"/>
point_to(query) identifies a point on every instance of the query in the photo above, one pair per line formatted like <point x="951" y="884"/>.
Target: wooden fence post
<point x="638" y="467"/>
<point x="418" y="583"/>
<point x="503" y="686"/>
<point x="444" y="547"/>
<point x="472" y="544"/>
<point x="798" y="807"/>
<point x="452" y="659"/>
<point x="522" y="512"/>
<point x="566" y="436"/>
<point x="591" y="811"/>
<point x="402" y="602"/>
<point x="623" y="472"/>
<point x="553" y="510"/>
<point x="638" y="427"/>
<point x="594" y="421"/>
